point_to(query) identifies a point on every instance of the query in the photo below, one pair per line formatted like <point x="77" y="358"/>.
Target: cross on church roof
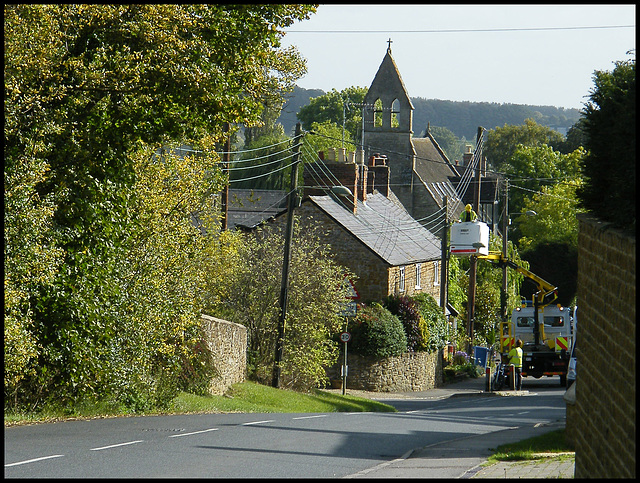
<point x="389" y="42"/>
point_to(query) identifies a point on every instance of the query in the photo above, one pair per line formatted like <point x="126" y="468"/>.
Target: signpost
<point x="345" y="337"/>
<point x="350" y="310"/>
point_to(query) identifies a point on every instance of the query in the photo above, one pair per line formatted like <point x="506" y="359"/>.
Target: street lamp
<point x="528" y="213"/>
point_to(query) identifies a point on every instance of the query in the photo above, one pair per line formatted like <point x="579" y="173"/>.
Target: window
<point x="418" y="270"/>
<point x="525" y="321"/>
<point x="401" y="284"/>
<point x="436" y="274"/>
<point x="377" y="113"/>
<point x="554" y="321"/>
<point x="395" y="113"/>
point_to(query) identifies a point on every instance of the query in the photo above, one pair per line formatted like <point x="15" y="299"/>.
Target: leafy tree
<point x="265" y="163"/>
<point x="502" y="142"/>
<point x="249" y="295"/>
<point x="29" y="260"/>
<point x="531" y="167"/>
<point x="555" y="221"/>
<point x="329" y="107"/>
<point x="576" y="138"/>
<point x="324" y="136"/>
<point x="610" y="166"/>
<point x="84" y="84"/>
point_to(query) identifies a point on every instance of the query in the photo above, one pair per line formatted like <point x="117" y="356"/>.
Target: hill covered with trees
<point x="460" y="117"/>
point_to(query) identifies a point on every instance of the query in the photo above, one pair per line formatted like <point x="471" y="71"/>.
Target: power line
<point x="438" y="31"/>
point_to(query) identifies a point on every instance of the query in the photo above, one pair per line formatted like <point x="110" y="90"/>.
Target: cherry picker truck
<point x="546" y="329"/>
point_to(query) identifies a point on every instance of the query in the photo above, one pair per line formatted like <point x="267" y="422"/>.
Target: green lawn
<point x="246" y="397"/>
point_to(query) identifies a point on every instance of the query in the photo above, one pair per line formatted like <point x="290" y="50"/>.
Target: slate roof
<point x="247" y="208"/>
<point x="385" y="228"/>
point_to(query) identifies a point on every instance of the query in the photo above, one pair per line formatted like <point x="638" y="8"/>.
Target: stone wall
<point x="602" y="423"/>
<point x="227" y="342"/>
<point x="412" y="371"/>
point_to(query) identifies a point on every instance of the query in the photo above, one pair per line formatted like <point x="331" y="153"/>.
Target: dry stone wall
<point x="602" y="422"/>
<point x="227" y="342"/>
<point x="412" y="371"/>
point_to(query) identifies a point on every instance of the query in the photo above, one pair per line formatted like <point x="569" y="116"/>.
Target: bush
<point x="609" y="191"/>
<point x="377" y="332"/>
<point x="436" y="330"/>
<point x="415" y="327"/>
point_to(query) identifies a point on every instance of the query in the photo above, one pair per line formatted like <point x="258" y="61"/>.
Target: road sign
<point x="345" y="336"/>
<point x="349" y="310"/>
<point x="353" y="293"/>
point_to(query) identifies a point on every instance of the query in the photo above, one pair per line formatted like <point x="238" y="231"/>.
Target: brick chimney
<point x="378" y="175"/>
<point x="468" y="154"/>
<point x="318" y="180"/>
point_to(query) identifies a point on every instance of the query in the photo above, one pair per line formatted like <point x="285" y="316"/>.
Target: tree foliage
<point x="95" y="90"/>
<point x="502" y="142"/>
<point x="249" y="295"/>
<point x="532" y="167"/>
<point x="555" y="220"/>
<point x="329" y="107"/>
<point x="610" y="166"/>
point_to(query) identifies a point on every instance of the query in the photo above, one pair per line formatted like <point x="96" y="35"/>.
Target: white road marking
<point x="195" y="432"/>
<point x="34" y="460"/>
<point x="115" y="445"/>
<point x="258" y="422"/>
<point x="311" y="417"/>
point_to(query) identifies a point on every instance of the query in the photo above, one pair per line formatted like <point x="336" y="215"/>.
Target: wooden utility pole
<point x="474" y="259"/>
<point x="284" y="286"/>
<point x="443" y="268"/>
<point x="226" y="157"/>
<point x="505" y="245"/>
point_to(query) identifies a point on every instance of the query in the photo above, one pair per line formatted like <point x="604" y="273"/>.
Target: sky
<point x="537" y="55"/>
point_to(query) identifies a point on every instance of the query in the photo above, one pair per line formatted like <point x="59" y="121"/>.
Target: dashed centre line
<point x="115" y="445"/>
<point x="258" y="422"/>
<point x="34" y="460"/>
<point x="194" y="432"/>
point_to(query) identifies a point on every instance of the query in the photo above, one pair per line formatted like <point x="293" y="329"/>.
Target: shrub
<point x="415" y="327"/>
<point x="435" y="334"/>
<point x="377" y="332"/>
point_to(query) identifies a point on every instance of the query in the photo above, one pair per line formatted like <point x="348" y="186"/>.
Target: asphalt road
<point x="286" y="445"/>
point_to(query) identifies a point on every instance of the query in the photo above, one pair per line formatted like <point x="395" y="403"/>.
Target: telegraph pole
<point x="284" y="287"/>
<point x="474" y="259"/>
<point x="443" y="269"/>
<point x="225" y="168"/>
<point x="505" y="245"/>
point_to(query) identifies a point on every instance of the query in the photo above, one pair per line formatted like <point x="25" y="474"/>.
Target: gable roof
<point x="388" y="80"/>
<point x="385" y="228"/>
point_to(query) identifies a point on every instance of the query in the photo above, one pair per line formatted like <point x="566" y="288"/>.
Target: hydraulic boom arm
<point x="546" y="294"/>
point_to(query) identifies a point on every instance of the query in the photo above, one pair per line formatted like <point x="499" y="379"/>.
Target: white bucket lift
<point x="469" y="238"/>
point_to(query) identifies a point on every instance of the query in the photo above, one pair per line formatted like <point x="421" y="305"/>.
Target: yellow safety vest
<point x="515" y="357"/>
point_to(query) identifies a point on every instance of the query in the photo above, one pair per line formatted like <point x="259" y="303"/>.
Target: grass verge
<point x="542" y="446"/>
<point x="246" y="397"/>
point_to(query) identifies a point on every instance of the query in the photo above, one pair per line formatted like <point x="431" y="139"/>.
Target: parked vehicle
<point x="571" y="369"/>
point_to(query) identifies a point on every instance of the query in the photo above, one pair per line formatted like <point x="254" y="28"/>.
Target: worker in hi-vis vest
<point x="515" y="358"/>
<point x="468" y="214"/>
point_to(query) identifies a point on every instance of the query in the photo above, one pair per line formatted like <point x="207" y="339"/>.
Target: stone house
<point x="370" y="232"/>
